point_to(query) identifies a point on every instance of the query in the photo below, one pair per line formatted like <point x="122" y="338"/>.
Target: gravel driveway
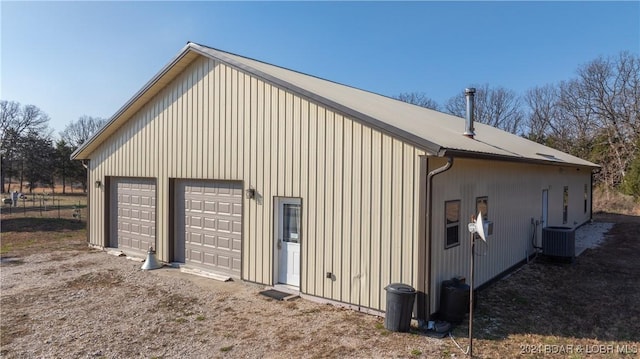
<point x="88" y="304"/>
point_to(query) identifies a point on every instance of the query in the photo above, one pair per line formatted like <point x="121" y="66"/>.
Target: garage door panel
<point x="224" y="207"/>
<point x="224" y="242"/>
<point x="224" y="225"/>
<point x="212" y="215"/>
<point x="195" y="222"/>
<point x="237" y="245"/>
<point x="237" y="227"/>
<point x="209" y="258"/>
<point x="196" y="205"/>
<point x="236" y="265"/>
<point x="210" y="223"/>
<point x="193" y="255"/>
<point x="237" y="210"/>
<point x="210" y="207"/>
<point x="194" y="238"/>
<point x="224" y="261"/>
<point x="210" y="240"/>
<point x="133" y="215"/>
<point x="146" y="230"/>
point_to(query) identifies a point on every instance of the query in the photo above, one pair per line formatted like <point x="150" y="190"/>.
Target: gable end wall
<point x="358" y="185"/>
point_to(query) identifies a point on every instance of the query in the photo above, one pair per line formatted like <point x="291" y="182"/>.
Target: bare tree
<point x="420" y="99"/>
<point x="77" y="133"/>
<point x="15" y="122"/>
<point x="497" y="107"/>
<point x="606" y="95"/>
<point x="573" y="128"/>
<point x="543" y="109"/>
<point x="21" y="120"/>
<point x="9" y="113"/>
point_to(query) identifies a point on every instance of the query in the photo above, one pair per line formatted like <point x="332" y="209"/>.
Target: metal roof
<point x="437" y="133"/>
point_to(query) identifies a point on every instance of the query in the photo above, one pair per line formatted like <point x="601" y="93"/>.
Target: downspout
<point x="85" y="164"/>
<point x="591" y="199"/>
<point x="430" y="176"/>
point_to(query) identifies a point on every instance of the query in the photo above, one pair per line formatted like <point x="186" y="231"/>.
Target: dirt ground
<point x="60" y="299"/>
<point x="81" y="303"/>
<point x="588" y="309"/>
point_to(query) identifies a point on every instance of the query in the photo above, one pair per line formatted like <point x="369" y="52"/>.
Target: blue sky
<point x="88" y="58"/>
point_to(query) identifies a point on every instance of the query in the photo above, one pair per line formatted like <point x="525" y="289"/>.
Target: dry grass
<point x="41" y="224"/>
<point x="606" y="200"/>
<point x="550" y="307"/>
<point x="75" y="302"/>
<point x="545" y="308"/>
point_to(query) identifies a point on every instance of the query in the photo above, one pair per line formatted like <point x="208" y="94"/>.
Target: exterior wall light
<point x="98" y="184"/>
<point x="250" y="193"/>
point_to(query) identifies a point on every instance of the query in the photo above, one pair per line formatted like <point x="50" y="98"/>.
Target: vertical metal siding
<point x="338" y="217"/>
<point x="377" y="209"/>
<point x="247" y="270"/>
<point x="328" y="202"/>
<point x="358" y="185"/>
<point x="347" y="191"/>
<point x="514" y="195"/>
<point x="357" y="211"/>
<point x="317" y="201"/>
<point x="367" y="209"/>
<point x="386" y="215"/>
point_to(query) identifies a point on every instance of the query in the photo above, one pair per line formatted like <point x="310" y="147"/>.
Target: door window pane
<point x="291" y="223"/>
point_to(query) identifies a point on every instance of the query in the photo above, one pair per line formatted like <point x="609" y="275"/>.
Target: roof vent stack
<point x="470" y="95"/>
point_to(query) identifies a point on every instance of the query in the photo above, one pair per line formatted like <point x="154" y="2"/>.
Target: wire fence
<point x="45" y="205"/>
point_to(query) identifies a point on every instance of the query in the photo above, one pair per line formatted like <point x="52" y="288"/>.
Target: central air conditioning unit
<point x="559" y="242"/>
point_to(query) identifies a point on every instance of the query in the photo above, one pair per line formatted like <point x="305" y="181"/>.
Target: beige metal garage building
<point x="242" y="168"/>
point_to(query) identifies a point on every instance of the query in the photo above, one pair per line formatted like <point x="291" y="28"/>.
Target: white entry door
<point x="288" y="241"/>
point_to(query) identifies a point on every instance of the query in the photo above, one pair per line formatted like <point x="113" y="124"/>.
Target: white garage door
<point x="209" y="225"/>
<point x="133" y="215"/>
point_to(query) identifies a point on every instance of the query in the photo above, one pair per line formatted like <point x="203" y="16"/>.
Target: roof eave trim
<point x="445" y="152"/>
<point x="76" y="155"/>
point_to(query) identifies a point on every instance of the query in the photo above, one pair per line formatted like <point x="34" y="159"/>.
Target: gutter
<point x="430" y="177"/>
<point x="447" y="152"/>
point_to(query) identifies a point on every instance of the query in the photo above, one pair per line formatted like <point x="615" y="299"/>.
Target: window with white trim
<point x="482" y="206"/>
<point x="452" y="223"/>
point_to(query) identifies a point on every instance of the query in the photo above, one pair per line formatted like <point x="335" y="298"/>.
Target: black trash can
<point x="454" y="301"/>
<point x="400" y="298"/>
